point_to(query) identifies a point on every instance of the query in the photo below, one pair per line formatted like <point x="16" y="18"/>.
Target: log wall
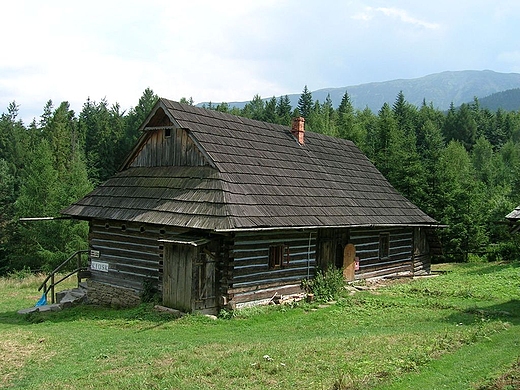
<point x="421" y="253"/>
<point x="371" y="264"/>
<point x="131" y="251"/>
<point x="250" y="279"/>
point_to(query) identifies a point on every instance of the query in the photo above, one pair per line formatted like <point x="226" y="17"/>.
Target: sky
<point x="225" y="51"/>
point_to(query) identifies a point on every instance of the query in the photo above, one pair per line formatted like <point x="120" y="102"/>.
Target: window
<point x="167" y="133"/>
<point x="278" y="256"/>
<point x="384" y="245"/>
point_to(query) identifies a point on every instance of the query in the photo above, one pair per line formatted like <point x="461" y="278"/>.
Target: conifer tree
<point x="405" y="114"/>
<point x="7" y="199"/>
<point x="135" y="118"/>
<point x="466" y="127"/>
<point x="329" y="117"/>
<point x="270" y="114"/>
<point x="283" y="110"/>
<point x="105" y="145"/>
<point x="450" y="124"/>
<point x="255" y="109"/>
<point x="222" y="107"/>
<point x="347" y="124"/>
<point x="368" y="139"/>
<point x="14" y="141"/>
<point x="188" y="102"/>
<point x="386" y="129"/>
<point x="315" y="120"/>
<point x="430" y="148"/>
<point x="461" y="203"/>
<point x="305" y="103"/>
<point x="59" y="129"/>
<point x="38" y="198"/>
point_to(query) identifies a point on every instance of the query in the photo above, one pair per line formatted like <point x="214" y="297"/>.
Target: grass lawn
<point x="459" y="330"/>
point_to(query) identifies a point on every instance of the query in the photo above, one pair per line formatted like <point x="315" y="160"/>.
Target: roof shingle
<point x="260" y="177"/>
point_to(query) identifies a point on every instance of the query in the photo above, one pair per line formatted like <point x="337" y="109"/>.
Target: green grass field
<point x="459" y="330"/>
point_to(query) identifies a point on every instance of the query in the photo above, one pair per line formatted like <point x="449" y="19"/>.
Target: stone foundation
<point x="106" y="295"/>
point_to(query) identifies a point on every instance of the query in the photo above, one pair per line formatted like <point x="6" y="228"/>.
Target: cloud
<point x="232" y="50"/>
<point x="369" y="13"/>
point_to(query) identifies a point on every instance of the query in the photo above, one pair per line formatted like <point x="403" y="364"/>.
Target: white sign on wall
<point x="94" y="253"/>
<point x="99" y="266"/>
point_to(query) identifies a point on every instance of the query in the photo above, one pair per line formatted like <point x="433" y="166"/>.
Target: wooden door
<point x="178" y="276"/>
<point x="349" y="262"/>
<point x="205" y="286"/>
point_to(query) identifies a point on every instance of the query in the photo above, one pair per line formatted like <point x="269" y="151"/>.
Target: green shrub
<point x="149" y="292"/>
<point x="507" y="251"/>
<point x="326" y="286"/>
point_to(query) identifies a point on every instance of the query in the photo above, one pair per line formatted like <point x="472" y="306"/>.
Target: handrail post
<point x="52" y="288"/>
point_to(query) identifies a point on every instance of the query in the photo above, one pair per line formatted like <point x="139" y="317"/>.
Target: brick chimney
<point x="298" y="129"/>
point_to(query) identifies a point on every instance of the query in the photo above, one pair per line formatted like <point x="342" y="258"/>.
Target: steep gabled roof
<point x="255" y="176"/>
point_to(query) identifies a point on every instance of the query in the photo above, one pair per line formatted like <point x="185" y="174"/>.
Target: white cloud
<point x="406" y="18"/>
<point x="396" y="13"/>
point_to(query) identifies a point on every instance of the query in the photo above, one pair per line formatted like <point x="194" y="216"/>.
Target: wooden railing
<point x="80" y="266"/>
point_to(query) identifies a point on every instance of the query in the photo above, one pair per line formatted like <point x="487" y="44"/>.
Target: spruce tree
<point x="7" y="199"/>
<point x="460" y="207"/>
<point x="283" y="110"/>
<point x="135" y="118"/>
<point x="305" y="103"/>
<point x="270" y="114"/>
<point x="347" y="124"/>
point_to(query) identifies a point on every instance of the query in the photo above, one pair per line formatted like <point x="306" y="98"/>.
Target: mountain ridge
<point x="441" y="89"/>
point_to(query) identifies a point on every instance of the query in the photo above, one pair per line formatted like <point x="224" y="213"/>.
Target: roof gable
<point x="266" y="179"/>
<point x="165" y="143"/>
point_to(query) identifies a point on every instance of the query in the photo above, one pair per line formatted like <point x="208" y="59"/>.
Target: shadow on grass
<point x="143" y="312"/>
<point x="506" y="312"/>
<point x="493" y="267"/>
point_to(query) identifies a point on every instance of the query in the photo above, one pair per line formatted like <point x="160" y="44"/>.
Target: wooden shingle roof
<point x="257" y="177"/>
<point x="514" y="215"/>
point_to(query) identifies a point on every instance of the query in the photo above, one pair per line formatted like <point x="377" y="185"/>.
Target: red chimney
<point x="298" y="129"/>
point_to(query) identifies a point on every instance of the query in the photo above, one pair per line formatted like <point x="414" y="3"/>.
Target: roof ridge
<point x="261" y="177"/>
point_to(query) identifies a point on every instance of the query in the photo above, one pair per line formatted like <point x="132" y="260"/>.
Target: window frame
<point x="278" y="256"/>
<point x="384" y="245"/>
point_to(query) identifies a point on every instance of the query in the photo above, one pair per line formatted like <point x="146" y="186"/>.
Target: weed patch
<point x="326" y="286"/>
<point x="510" y="380"/>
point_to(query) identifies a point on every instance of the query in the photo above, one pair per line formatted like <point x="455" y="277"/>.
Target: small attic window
<point x="167" y="133"/>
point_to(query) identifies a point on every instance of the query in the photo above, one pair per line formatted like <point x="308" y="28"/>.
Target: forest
<point x="461" y="167"/>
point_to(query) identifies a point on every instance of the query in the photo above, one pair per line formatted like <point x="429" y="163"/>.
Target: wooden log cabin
<point x="218" y="211"/>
